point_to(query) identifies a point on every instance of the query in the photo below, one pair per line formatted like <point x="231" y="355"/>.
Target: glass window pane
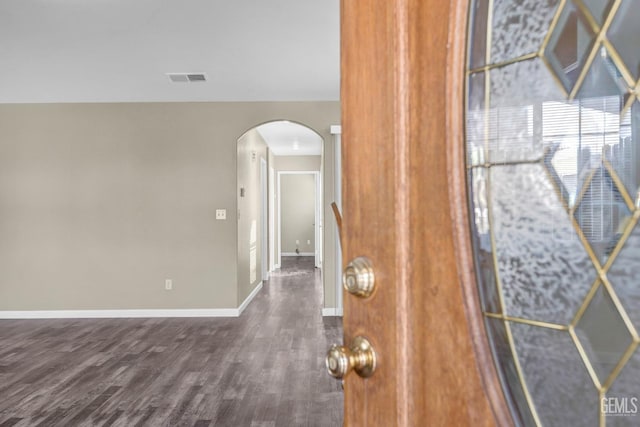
<point x="519" y="27"/>
<point x="556" y="377"/>
<point x="544" y="269"/>
<point x="623" y="34"/>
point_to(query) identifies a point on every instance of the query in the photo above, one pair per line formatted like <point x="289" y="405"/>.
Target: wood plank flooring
<point x="263" y="369"/>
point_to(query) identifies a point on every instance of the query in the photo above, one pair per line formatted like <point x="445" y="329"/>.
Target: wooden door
<point x="405" y="209"/>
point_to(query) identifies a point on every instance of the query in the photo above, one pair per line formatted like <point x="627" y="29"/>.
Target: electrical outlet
<point x="308" y="242"/>
<point x="221" y="214"/>
<point x="297" y="242"/>
<point x="168" y="284"/>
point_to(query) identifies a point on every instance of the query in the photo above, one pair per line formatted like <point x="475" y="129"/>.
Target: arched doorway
<point x="271" y="156"/>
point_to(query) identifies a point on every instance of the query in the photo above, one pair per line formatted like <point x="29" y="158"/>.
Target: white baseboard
<point x="331" y="312"/>
<point x="249" y="298"/>
<point x="112" y="314"/>
<point x="300" y="254"/>
<point x="142" y="313"/>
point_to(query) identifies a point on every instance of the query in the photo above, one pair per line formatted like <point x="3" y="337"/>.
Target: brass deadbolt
<point x="360" y="358"/>
<point x="358" y="278"/>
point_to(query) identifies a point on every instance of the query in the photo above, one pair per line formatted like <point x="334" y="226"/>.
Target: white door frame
<point x="317" y="215"/>
<point x="264" y="189"/>
<point x="272" y="220"/>
<point x="336" y="131"/>
<point x="319" y="221"/>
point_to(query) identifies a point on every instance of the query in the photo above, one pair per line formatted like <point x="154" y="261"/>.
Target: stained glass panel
<point x="553" y="128"/>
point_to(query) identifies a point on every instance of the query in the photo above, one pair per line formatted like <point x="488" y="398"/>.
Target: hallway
<point x="265" y="368"/>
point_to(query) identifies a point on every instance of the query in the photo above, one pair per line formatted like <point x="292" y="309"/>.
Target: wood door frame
<point x="405" y="207"/>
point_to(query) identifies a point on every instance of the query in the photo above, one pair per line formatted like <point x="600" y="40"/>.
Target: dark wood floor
<point x="265" y="368"/>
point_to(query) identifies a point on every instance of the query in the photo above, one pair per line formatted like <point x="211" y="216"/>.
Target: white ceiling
<point x="120" y="50"/>
<point x="283" y="137"/>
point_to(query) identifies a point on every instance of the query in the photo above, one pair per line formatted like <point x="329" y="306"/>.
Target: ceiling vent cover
<point x="187" y="77"/>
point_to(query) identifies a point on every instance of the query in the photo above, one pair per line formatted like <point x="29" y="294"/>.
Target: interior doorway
<point x="266" y="153"/>
<point x="299" y="221"/>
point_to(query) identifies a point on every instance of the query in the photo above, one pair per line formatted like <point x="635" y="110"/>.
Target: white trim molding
<point x="331" y="312"/>
<point x="249" y="298"/>
<point x="113" y="314"/>
<point x="141" y="313"/>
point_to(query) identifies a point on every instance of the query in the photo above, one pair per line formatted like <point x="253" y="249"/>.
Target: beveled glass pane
<point x="602" y="215"/>
<point x="604" y="80"/>
<point x="599" y="9"/>
<point x="515" y="124"/>
<point x="570" y="42"/>
<point x="603" y="334"/>
<point x="476" y="119"/>
<point x="624" y="275"/>
<point x="519" y="27"/>
<point x="508" y="373"/>
<point x="544" y="268"/>
<point x="622" y="404"/>
<point x="577" y="133"/>
<point x="624" y="153"/>
<point x="481" y="239"/>
<point x="556" y="378"/>
<point x="478" y="33"/>
<point x="623" y="34"/>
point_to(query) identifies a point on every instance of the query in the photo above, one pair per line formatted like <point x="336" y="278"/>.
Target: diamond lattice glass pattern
<point x="553" y="149"/>
<point x="603" y="334"/>
<point x="577" y="133"/>
<point x="602" y="215"/>
<point x="624" y="155"/>
<point x="569" y="45"/>
<point x="604" y="79"/>
<point x="624" y="275"/>
<point x="598" y="9"/>
<point x="623" y="34"/>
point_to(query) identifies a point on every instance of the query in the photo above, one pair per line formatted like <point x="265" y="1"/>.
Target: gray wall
<point x="298" y="163"/>
<point x="297" y="216"/>
<point x="100" y="203"/>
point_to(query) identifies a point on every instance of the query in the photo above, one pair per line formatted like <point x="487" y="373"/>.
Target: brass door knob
<point x="360" y="358"/>
<point x="358" y="278"/>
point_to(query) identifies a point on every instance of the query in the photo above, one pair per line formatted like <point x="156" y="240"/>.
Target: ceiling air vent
<point x="196" y="77"/>
<point x="187" y="77"/>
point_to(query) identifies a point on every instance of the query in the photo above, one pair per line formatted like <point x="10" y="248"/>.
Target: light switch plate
<point x="221" y="214"/>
